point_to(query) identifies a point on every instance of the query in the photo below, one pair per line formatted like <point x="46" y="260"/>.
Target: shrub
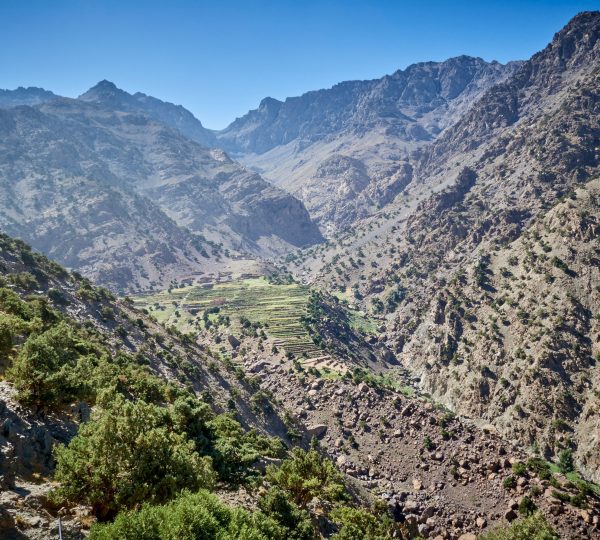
<point x="519" y="468"/>
<point x="305" y="476"/>
<point x="534" y="527"/>
<point x="509" y="482"/>
<point x="197" y="516"/>
<point x="277" y="506"/>
<point x="42" y="371"/>
<point x="356" y="523"/>
<point x="565" y="461"/>
<point x="526" y="506"/>
<point x="126" y="455"/>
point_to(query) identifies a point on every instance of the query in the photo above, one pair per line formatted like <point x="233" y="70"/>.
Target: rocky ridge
<point x="346" y="151"/>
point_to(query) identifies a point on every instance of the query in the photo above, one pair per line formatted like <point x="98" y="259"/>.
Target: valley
<point x="369" y="311"/>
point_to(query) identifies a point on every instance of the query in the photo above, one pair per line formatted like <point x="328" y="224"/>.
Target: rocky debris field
<point x="443" y="473"/>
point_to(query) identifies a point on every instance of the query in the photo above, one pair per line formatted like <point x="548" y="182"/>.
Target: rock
<point x="417" y="484"/>
<point x="467" y="536"/>
<point x="411" y="506"/>
<point x="481" y="523"/>
<point x="6" y="519"/>
<point x="262" y="463"/>
<point x="407" y="411"/>
<point x="257" y="367"/>
<point x="233" y="341"/>
<point x="341" y="461"/>
<point x="316" y="430"/>
<point x="585" y="515"/>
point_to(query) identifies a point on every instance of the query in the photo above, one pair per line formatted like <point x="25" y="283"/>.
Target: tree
<point x="40" y="370"/>
<point x="276" y="505"/>
<point x="127" y="455"/>
<point x="305" y="476"/>
<point x="565" y="461"/>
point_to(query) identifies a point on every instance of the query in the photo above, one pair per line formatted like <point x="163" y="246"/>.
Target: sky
<point x="220" y="58"/>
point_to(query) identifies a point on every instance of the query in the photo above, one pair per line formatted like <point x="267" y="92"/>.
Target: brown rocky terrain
<point x="439" y="475"/>
<point x="471" y="267"/>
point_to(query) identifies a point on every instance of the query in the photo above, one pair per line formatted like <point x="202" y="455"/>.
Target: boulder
<point x="316" y="430"/>
<point x="233" y="341"/>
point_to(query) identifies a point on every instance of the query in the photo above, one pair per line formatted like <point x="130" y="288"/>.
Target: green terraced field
<point x="279" y="306"/>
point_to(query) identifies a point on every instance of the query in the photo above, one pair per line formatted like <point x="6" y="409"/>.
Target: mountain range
<point x="405" y="271"/>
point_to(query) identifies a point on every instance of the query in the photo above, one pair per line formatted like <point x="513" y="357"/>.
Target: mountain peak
<point x="103" y="91"/>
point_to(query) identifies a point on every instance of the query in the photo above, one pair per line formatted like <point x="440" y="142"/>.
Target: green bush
<point x="197" y="516"/>
<point x="356" y="523"/>
<point x="127" y="455"/>
<point x="534" y="527"/>
<point x="276" y="505"/>
<point x="565" y="461"/>
<point x="43" y="371"/>
<point x="509" y="482"/>
<point x="305" y="476"/>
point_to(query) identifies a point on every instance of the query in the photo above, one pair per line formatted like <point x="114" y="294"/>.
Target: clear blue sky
<point x="220" y="58"/>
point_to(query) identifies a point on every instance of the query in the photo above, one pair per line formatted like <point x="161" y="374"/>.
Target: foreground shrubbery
<point x="197" y="516"/>
<point x="534" y="527"/>
<point x="126" y="455"/>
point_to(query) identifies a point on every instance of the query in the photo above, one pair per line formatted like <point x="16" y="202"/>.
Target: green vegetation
<point x="276" y="307"/>
<point x="197" y="516"/>
<point x="127" y="454"/>
<point x="356" y="523"/>
<point x="534" y="527"/>
<point x="305" y="476"/>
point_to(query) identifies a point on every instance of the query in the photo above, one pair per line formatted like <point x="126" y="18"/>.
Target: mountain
<point x="346" y="151"/>
<point x="484" y="270"/>
<point x="25" y="96"/>
<point x="110" y="191"/>
<point x="106" y="93"/>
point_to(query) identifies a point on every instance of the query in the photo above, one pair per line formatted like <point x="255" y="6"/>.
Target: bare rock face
<point x="344" y="151"/>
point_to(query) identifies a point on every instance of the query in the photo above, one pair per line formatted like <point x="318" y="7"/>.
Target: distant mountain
<point x="345" y="151"/>
<point x="128" y="200"/>
<point x="106" y="94"/>
<point x="25" y="96"/>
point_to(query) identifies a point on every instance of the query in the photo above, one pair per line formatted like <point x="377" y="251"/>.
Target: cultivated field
<point x="279" y="307"/>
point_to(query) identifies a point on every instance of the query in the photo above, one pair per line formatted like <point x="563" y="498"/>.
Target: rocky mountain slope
<point x="130" y="201"/>
<point x="345" y="151"/>
<point x="470" y="268"/>
<point x="418" y="460"/>
<point x="108" y="95"/>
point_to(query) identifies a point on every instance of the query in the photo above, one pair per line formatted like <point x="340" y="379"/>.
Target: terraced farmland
<point x="281" y="307"/>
